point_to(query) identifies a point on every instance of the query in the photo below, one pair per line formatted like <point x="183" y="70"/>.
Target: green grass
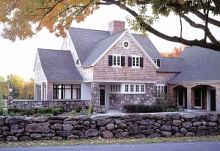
<point x="99" y="141"/>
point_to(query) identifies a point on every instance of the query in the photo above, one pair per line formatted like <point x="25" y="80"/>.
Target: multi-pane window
<point x="66" y="91"/>
<point x="161" y="90"/>
<point x="136" y="61"/>
<point x="133" y="88"/>
<point x="115" y="88"/>
<point x="116" y="60"/>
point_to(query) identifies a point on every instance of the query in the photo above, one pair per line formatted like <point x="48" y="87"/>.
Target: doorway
<point x="212" y="100"/>
<point x="102" y="97"/>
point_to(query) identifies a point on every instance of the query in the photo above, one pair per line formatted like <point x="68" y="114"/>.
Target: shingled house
<point x="113" y="68"/>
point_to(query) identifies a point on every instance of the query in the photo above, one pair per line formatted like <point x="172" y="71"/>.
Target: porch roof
<point x="200" y="65"/>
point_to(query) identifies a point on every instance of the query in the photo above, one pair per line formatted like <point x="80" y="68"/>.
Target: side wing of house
<point x="40" y="80"/>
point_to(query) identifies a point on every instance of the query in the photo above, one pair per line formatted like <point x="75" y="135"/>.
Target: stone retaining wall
<point x="130" y="125"/>
<point x="67" y="105"/>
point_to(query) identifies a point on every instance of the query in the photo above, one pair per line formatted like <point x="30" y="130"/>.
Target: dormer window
<point x="157" y="62"/>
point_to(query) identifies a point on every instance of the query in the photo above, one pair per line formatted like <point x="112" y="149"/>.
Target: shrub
<point x="141" y="108"/>
<point x="36" y="111"/>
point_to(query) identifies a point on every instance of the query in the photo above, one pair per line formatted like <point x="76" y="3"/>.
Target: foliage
<point x="24" y="18"/>
<point x="1" y="103"/>
<point x="174" y="54"/>
<point x="141" y="108"/>
<point x="36" y="111"/>
<point x="21" y="89"/>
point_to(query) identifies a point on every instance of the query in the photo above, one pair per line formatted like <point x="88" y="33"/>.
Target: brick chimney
<point x="116" y="26"/>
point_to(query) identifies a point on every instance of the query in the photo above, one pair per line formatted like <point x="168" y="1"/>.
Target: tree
<point x="177" y="51"/>
<point x="3" y="87"/>
<point x="21" y="16"/>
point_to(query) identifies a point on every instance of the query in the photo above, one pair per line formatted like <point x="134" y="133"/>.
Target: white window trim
<point x="161" y="90"/>
<point x="134" y="88"/>
<point x="116" y="55"/>
<point x="135" y="56"/>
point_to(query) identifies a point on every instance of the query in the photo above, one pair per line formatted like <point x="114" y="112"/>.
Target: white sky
<point x="18" y="57"/>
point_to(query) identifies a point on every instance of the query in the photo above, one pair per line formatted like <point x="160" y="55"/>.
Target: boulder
<point x="67" y="127"/>
<point x="186" y="124"/>
<point x="110" y="126"/>
<point x="213" y="118"/>
<point x="183" y="130"/>
<point x="57" y="126"/>
<point x="11" y="138"/>
<point x="91" y="133"/>
<point x="177" y="122"/>
<point x="58" y="138"/>
<point x="107" y="134"/>
<point x="212" y="123"/>
<point x="165" y="133"/>
<point x="38" y="127"/>
<point x="15" y="128"/>
<point x="86" y="123"/>
<point x="36" y="135"/>
<point x="14" y="119"/>
<point x="2" y="120"/>
<point x="25" y="138"/>
<point x="153" y="135"/>
<point x="197" y="123"/>
<point x="166" y="128"/>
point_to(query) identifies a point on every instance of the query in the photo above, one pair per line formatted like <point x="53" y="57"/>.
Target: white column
<point x="189" y="98"/>
<point x="218" y="99"/>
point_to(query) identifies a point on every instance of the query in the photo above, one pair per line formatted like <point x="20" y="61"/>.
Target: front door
<point x="212" y="100"/>
<point x="102" y="97"/>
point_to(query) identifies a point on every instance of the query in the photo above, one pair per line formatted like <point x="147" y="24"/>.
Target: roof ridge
<point x="110" y="36"/>
<point x="90" y="29"/>
<point x="52" y="49"/>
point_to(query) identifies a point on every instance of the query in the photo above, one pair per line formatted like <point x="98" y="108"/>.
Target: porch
<point x="198" y="96"/>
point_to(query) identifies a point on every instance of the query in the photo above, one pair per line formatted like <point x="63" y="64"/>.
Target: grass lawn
<point x="98" y="141"/>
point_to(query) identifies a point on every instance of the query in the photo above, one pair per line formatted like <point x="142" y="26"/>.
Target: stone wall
<point x="67" y="105"/>
<point x="129" y="125"/>
<point x="117" y="101"/>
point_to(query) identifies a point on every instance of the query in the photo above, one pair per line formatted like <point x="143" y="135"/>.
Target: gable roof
<point x="200" y="65"/>
<point x="58" y="65"/>
<point x="90" y="44"/>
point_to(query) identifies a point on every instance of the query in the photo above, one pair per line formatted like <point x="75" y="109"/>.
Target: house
<point x="113" y="68"/>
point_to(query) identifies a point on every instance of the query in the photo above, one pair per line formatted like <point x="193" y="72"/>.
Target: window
<point x="157" y="62"/>
<point x="66" y="91"/>
<point x="161" y="90"/>
<point x="115" y="88"/>
<point x="126" y="44"/>
<point x="133" y="88"/>
<point x="126" y="88"/>
<point x="116" y="60"/>
<point x="135" y="61"/>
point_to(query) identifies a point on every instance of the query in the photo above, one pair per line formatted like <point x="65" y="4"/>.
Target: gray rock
<point x="183" y="130"/>
<point x="190" y="134"/>
<point x="197" y="123"/>
<point x="123" y="134"/>
<point x="25" y="138"/>
<point x="36" y="135"/>
<point x="91" y="133"/>
<point x="175" y="116"/>
<point x="58" y="138"/>
<point x="57" y="126"/>
<point x="174" y="129"/>
<point x="154" y="135"/>
<point x="178" y="135"/>
<point x="73" y="137"/>
<point x="11" y="138"/>
<point x="14" y="119"/>
<point x="213" y="118"/>
<point x="38" y="127"/>
<point x="139" y="136"/>
<point x="107" y="134"/>
<point x="177" y="122"/>
<point x="40" y="119"/>
<point x="165" y="133"/>
<point x="186" y="124"/>
<point x="166" y="128"/>
<point x="64" y="134"/>
<point x="110" y="126"/>
<point x="212" y="123"/>
<point x="70" y="122"/>
<point x="148" y="132"/>
<point x="188" y="116"/>
<point x="15" y="128"/>
<point x="67" y="127"/>
<point x="122" y="125"/>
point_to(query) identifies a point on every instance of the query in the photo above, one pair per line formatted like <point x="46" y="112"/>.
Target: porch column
<point x="49" y="91"/>
<point x="189" y="98"/>
<point x="218" y="99"/>
<point x="95" y="96"/>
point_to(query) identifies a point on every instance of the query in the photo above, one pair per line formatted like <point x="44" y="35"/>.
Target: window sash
<point x="61" y="91"/>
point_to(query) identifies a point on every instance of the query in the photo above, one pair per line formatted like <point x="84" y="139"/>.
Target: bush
<point x="141" y="108"/>
<point x="36" y="111"/>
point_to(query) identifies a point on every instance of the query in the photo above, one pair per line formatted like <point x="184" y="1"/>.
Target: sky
<point x="18" y="57"/>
